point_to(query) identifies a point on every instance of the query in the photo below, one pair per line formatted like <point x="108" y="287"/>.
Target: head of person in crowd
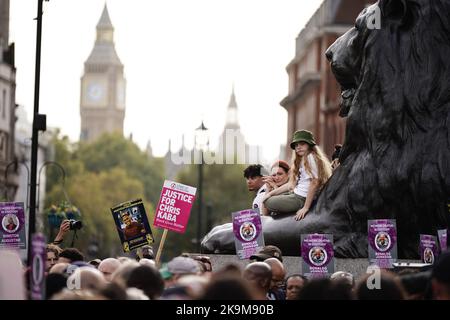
<point x="113" y="291"/>
<point x="70" y="255"/>
<point x="60" y="268"/>
<point x="148" y="280"/>
<point x="388" y="287"/>
<point x="87" y="278"/>
<point x="121" y="275"/>
<point x="227" y="288"/>
<point x="335" y="157"/>
<point x="145" y="252"/>
<point x="12" y="284"/>
<point x="181" y="266"/>
<point x="229" y="270"/>
<point x="416" y="283"/>
<point x="107" y="267"/>
<point x="345" y="276"/>
<point x="303" y="144"/>
<point x="280" y="172"/>
<point x="53" y="252"/>
<point x="254" y="176"/>
<point x="267" y="252"/>
<point x="147" y="262"/>
<point x="294" y="284"/>
<point x="259" y="276"/>
<point x="95" y="262"/>
<point x="440" y="277"/>
<point x="54" y="283"/>
<point x="325" y="289"/>
<point x="194" y="284"/>
<point x="278" y="274"/>
<point x="124" y="259"/>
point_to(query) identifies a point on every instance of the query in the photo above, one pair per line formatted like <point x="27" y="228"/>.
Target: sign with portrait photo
<point x="248" y="235"/>
<point x="174" y="206"/>
<point x="132" y="224"/>
<point x="382" y="242"/>
<point x="38" y="259"/>
<point x="428" y="248"/>
<point x="12" y="225"/>
<point x="317" y="255"/>
<point x="443" y="238"/>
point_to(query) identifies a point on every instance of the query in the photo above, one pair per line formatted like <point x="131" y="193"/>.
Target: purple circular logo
<point x="428" y="256"/>
<point x="247" y="231"/>
<point x="10" y="223"/>
<point x="382" y="241"/>
<point x="318" y="256"/>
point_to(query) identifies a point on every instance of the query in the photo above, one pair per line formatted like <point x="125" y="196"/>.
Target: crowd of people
<point x="194" y="277"/>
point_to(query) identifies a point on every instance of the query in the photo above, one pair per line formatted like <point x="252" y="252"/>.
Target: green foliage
<point x="224" y="189"/>
<point x="99" y="176"/>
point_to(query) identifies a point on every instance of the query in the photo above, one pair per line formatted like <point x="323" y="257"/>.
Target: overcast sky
<point x="181" y="58"/>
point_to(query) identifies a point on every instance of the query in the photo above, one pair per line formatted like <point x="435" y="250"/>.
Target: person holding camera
<point x="64" y="228"/>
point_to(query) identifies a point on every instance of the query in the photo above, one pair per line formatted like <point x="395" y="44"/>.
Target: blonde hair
<point x="323" y="165"/>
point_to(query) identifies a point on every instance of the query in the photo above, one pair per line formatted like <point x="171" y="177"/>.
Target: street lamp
<point x="201" y="141"/>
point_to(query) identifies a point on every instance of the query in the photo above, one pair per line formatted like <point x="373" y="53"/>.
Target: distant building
<point x="7" y="106"/>
<point x="102" y="101"/>
<point x="232" y="141"/>
<point x="314" y="95"/>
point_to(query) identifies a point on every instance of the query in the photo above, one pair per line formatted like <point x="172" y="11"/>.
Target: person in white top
<point x="254" y="176"/>
<point x="310" y="170"/>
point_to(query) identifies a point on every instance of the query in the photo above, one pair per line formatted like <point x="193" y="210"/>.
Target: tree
<point x="224" y="188"/>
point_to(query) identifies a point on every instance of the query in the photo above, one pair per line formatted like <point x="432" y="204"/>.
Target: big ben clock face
<point x="95" y="92"/>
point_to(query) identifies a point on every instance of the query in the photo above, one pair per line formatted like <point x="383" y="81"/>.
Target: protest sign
<point x="132" y="224"/>
<point x="248" y="235"/>
<point x="443" y="238"/>
<point x="174" y="206"/>
<point x="317" y="255"/>
<point x="382" y="242"/>
<point x="12" y="228"/>
<point x="38" y="259"/>
<point x="428" y="248"/>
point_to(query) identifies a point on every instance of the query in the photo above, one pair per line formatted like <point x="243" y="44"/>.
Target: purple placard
<point x="317" y="255"/>
<point x="38" y="258"/>
<point x="428" y="248"/>
<point x="443" y="236"/>
<point x="382" y="239"/>
<point x="12" y="225"/>
<point x="248" y="235"/>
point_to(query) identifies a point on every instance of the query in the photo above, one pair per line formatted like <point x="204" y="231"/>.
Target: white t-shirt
<point x="304" y="178"/>
<point x="257" y="202"/>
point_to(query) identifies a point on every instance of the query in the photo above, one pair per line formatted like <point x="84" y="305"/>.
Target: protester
<point x="310" y="170"/>
<point x="279" y="176"/>
<point x="267" y="252"/>
<point x="54" y="283"/>
<point x="107" y="267"/>
<point x="11" y="276"/>
<point x="227" y="288"/>
<point x="148" y="280"/>
<point x="440" y="277"/>
<point x="294" y="284"/>
<point x="87" y="278"/>
<point x="254" y="175"/>
<point x="53" y="252"/>
<point x="276" y="291"/>
<point x="70" y="255"/>
<point x="259" y="276"/>
<point x="60" y="268"/>
<point x="390" y="288"/>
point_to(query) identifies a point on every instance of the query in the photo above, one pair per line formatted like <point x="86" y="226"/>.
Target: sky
<point x="181" y="59"/>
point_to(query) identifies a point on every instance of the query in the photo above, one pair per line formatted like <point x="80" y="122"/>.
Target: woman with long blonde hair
<point x="310" y="170"/>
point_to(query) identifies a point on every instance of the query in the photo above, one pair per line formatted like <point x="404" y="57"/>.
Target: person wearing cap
<point x="254" y="176"/>
<point x="267" y="252"/>
<point x="310" y="170"/>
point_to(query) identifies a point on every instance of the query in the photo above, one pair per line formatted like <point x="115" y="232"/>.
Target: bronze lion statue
<point x="395" y="161"/>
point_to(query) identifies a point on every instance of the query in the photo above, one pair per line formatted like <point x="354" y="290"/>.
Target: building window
<point x="3" y="145"/>
<point x="3" y="104"/>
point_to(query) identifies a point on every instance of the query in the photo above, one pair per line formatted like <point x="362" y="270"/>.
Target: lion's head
<point x="395" y="79"/>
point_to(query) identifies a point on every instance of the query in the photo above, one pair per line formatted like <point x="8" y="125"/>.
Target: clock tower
<point x="102" y="95"/>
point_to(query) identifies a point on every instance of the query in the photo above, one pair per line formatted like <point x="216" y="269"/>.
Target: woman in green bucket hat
<point x="310" y="170"/>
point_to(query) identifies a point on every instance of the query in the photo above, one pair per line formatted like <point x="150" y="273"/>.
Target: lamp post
<point x="201" y="141"/>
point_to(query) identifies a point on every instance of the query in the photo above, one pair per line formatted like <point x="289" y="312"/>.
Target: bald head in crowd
<point x="259" y="275"/>
<point x="87" y="278"/>
<point x="107" y="267"/>
<point x="278" y="272"/>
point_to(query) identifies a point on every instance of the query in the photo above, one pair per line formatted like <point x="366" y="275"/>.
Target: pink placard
<point x="174" y="206"/>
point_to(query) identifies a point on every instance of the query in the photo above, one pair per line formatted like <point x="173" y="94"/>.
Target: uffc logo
<point x="231" y="150"/>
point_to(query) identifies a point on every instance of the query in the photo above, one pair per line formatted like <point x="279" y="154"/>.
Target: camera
<point x="75" y="224"/>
